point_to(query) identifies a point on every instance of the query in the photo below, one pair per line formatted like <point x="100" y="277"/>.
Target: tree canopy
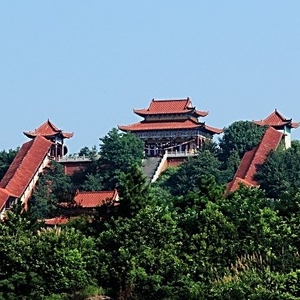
<point x="280" y="172"/>
<point x="6" y="158"/>
<point x="179" y="238"/>
<point x="240" y="136"/>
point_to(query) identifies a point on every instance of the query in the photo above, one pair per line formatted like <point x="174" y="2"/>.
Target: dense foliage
<point x="180" y="238"/>
<point x="281" y="171"/>
<point x="240" y="136"/>
<point x="118" y="153"/>
<point x="6" y="158"/>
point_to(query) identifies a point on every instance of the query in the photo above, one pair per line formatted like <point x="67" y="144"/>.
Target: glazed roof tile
<point x="235" y="184"/>
<point x="186" y="124"/>
<point x="48" y="129"/>
<point x="95" y="198"/>
<point x="172" y="106"/>
<point x="251" y="159"/>
<point x="276" y="119"/>
<point x="25" y="165"/>
<point x="213" y="129"/>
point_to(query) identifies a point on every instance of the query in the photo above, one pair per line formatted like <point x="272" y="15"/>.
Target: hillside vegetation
<point x="179" y="238"/>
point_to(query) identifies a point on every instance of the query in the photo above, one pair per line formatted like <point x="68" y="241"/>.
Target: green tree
<point x="280" y="172"/>
<point x="240" y="136"/>
<point x="142" y="251"/>
<point x="53" y="187"/>
<point x="118" y="153"/>
<point x="6" y="158"/>
<point x="88" y="177"/>
<point x="37" y="262"/>
<point x="252" y="278"/>
<point x="64" y="261"/>
<point x="17" y="230"/>
<point x="134" y="193"/>
<point x="188" y="174"/>
<point x="91" y="153"/>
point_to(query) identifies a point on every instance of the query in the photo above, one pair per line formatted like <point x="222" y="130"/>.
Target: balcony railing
<point x="181" y="153"/>
<point x="75" y="158"/>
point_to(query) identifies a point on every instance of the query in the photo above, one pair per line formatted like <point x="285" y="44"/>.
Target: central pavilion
<point x="171" y="125"/>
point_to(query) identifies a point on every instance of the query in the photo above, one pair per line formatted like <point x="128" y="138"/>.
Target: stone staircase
<point x="149" y="167"/>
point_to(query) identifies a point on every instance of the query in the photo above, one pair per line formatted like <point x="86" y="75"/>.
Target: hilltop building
<point x="47" y="143"/>
<point x="171" y="125"/>
<point x="50" y="132"/>
<point x="280" y="123"/>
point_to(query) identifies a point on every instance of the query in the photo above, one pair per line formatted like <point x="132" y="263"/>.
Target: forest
<point x="181" y="237"/>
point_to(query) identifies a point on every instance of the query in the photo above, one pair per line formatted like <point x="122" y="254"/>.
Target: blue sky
<point x="86" y="65"/>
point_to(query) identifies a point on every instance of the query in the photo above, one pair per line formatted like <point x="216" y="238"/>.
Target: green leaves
<point x="240" y="136"/>
<point x="280" y="173"/>
<point x="6" y="158"/>
<point x="118" y="153"/>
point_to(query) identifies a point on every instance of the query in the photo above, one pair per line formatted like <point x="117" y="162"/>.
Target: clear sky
<point x="86" y="65"/>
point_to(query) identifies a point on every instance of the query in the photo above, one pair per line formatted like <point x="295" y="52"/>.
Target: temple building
<point x="171" y="125"/>
<point x="23" y="173"/>
<point x="50" y="132"/>
<point x="281" y="124"/>
<point x="46" y="144"/>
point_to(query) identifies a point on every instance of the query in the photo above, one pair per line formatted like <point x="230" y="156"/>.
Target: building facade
<point x="171" y="125"/>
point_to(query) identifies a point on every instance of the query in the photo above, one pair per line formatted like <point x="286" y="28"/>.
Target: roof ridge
<point x="18" y="167"/>
<point x="17" y="174"/>
<point x="261" y="144"/>
<point x="34" y="142"/>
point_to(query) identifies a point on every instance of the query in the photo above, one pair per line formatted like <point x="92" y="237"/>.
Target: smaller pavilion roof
<point x="93" y="199"/>
<point x="170" y="106"/>
<point x="256" y="156"/>
<point x="48" y="129"/>
<point x="277" y="120"/>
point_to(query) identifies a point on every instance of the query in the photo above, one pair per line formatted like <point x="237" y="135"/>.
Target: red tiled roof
<point x="186" y="124"/>
<point x="213" y="129"/>
<point x="48" y="129"/>
<point x="57" y="221"/>
<point x="235" y="184"/>
<point x="275" y="119"/>
<point x="95" y="198"/>
<point x="254" y="157"/>
<point x="25" y="165"/>
<point x="170" y="107"/>
<point x="4" y="195"/>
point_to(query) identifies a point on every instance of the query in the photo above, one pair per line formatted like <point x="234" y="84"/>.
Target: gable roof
<point x="170" y="106"/>
<point x="93" y="199"/>
<point x="247" y="168"/>
<point x="48" y="129"/>
<point x="277" y="120"/>
<point x="25" y="165"/>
